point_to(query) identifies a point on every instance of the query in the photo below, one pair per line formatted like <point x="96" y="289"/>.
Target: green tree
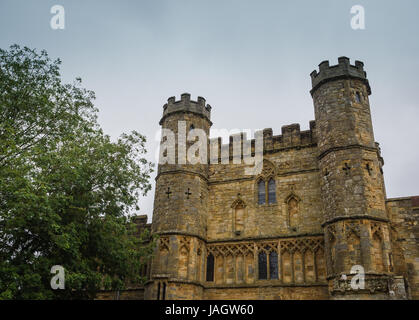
<point x="66" y="190"/>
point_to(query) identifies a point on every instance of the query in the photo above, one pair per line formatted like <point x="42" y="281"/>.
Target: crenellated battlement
<point x="185" y="104"/>
<point x="291" y="137"/>
<point x="342" y="70"/>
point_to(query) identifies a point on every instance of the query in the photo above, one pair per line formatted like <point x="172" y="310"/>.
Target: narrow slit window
<point x="261" y="192"/>
<point x="210" y="267"/>
<point x="271" y="191"/>
<point x="164" y="291"/>
<point x="358" y="97"/>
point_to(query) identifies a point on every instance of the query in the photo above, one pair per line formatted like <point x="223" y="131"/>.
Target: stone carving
<point x="164" y="243"/>
<point x="268" y="169"/>
<point x="372" y="285"/>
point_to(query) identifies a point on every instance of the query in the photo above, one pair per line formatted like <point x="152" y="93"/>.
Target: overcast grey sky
<point x="250" y="59"/>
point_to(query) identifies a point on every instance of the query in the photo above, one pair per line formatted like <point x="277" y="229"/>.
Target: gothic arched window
<point x="273" y="265"/>
<point x="262" y="263"/>
<point x="268" y="264"/>
<point x="266" y="191"/>
<point x="210" y="267"/>
<point x="271" y="191"/>
<point x="261" y="192"/>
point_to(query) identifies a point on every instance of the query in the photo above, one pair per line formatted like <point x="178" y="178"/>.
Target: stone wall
<point x="404" y="215"/>
<point x="269" y="292"/>
<point x="296" y="177"/>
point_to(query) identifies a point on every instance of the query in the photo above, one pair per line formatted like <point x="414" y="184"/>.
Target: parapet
<point x="185" y="104"/>
<point x="141" y="223"/>
<point x="290" y="138"/>
<point x="340" y="71"/>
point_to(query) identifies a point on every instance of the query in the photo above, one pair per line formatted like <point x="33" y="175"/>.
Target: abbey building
<point x="314" y="217"/>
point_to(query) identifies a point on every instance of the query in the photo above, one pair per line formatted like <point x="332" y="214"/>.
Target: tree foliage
<point x="66" y="189"/>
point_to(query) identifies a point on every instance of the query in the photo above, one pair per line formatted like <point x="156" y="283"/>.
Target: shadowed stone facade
<point x="294" y="231"/>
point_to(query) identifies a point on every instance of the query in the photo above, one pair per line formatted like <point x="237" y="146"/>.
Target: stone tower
<point x="356" y="224"/>
<point x="180" y="205"/>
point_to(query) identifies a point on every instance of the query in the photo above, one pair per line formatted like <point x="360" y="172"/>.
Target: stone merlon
<point x="340" y="71"/>
<point x="185" y="104"/>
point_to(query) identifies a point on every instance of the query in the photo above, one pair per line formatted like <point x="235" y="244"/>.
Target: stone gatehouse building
<point x="317" y="208"/>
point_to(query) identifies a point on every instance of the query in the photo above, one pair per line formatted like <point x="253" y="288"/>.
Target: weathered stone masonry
<point x="317" y="209"/>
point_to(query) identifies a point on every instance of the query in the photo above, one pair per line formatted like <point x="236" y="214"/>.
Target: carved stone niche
<point x="239" y="215"/>
<point x="292" y="203"/>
